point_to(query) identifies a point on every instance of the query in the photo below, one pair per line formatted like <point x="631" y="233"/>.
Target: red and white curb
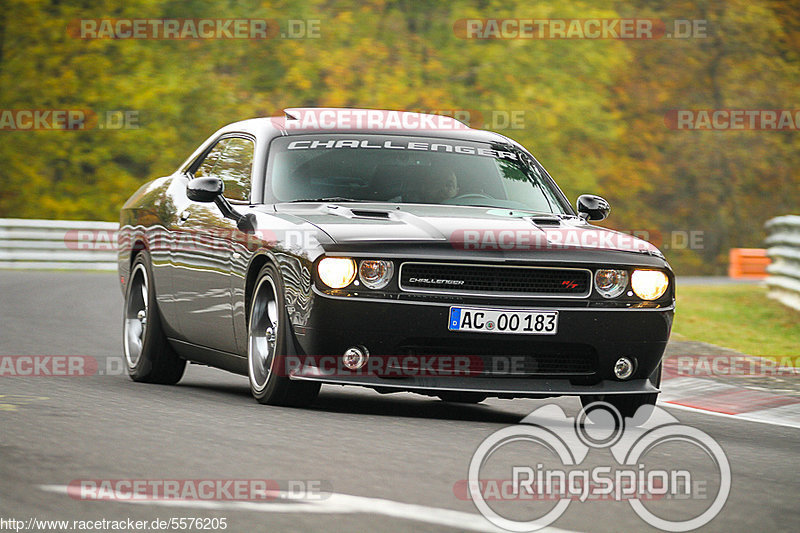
<point x="712" y="396"/>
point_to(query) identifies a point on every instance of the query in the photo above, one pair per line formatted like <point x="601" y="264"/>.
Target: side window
<point x="210" y="160"/>
<point x="234" y="167"/>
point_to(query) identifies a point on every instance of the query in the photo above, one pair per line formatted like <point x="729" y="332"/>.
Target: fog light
<point x="355" y="357"/>
<point x="623" y="368"/>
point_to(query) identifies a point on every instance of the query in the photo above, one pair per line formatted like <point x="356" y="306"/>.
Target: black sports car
<point x="397" y="251"/>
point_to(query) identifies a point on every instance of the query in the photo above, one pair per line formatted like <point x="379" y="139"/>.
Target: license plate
<point x="503" y="321"/>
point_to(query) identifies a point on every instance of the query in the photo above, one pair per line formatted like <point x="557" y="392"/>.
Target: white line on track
<point x="337" y="504"/>
<point x="771" y="421"/>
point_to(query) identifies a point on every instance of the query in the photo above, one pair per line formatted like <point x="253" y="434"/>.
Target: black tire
<point x="148" y="355"/>
<point x="269" y="340"/>
<point x="462" y="397"/>
<point x="627" y="404"/>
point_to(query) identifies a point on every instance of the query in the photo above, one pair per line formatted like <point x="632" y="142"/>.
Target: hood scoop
<point x="545" y="220"/>
<point x="366" y="213"/>
<point x="354" y="212"/>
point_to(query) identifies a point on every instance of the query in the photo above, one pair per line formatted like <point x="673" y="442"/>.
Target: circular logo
<point x="597" y="426"/>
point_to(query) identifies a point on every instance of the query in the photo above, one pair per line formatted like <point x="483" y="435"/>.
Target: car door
<point x="203" y="250"/>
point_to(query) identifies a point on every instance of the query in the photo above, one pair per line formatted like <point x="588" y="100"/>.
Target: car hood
<point x="473" y="228"/>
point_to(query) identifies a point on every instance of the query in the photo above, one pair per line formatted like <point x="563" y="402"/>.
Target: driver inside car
<point x="442" y="185"/>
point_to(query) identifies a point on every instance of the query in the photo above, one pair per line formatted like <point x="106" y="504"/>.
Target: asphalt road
<point x="377" y="454"/>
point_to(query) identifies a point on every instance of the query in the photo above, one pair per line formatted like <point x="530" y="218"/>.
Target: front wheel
<point x="268" y="338"/>
<point x="148" y="355"/>
<point x="627" y="404"/>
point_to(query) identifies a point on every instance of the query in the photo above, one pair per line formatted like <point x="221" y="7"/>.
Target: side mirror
<point x="591" y="207"/>
<point x="206" y="189"/>
<point x="210" y="189"/>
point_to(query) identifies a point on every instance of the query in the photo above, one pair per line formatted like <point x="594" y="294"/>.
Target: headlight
<point x="375" y="274"/>
<point x="611" y="283"/>
<point x="649" y="284"/>
<point x="337" y="272"/>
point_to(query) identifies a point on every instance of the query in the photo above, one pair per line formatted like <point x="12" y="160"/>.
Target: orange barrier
<point x="748" y="263"/>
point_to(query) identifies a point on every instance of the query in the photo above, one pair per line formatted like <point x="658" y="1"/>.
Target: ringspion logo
<point x="558" y="474"/>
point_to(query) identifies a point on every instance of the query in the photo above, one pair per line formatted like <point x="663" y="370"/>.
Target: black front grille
<point x="506" y="358"/>
<point x="490" y="279"/>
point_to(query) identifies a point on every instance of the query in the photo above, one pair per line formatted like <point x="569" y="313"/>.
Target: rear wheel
<point x="148" y="355"/>
<point x="268" y="341"/>
<point x="627" y="404"/>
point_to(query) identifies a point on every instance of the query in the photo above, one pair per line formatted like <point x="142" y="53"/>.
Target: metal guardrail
<point x="783" y="247"/>
<point x="92" y="245"/>
<point x="58" y="244"/>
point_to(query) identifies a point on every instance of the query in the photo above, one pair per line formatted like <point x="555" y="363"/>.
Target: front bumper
<point x="496" y="387"/>
<point x="596" y="335"/>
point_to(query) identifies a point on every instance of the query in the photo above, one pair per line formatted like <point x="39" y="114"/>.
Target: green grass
<point x="739" y="317"/>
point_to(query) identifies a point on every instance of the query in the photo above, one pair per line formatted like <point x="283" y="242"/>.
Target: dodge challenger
<point x="396" y="251"/>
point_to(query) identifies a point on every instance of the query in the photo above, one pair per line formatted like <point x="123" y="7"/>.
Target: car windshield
<point x="400" y="169"/>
